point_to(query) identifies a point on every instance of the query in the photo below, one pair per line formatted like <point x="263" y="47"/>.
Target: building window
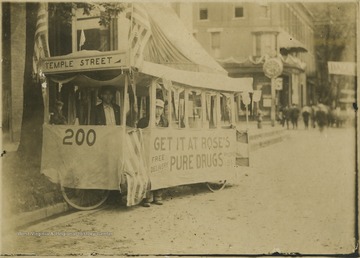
<point x="90" y="35"/>
<point x="257" y="45"/>
<point x="264" y="11"/>
<point x="93" y="39"/>
<point x="203" y="14"/>
<point x="215" y="43"/>
<point x="239" y="12"/>
<point x="215" y="40"/>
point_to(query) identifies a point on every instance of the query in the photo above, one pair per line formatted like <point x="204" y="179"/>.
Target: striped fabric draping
<point x="137" y="178"/>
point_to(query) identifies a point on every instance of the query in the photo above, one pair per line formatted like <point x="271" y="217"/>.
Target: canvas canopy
<point x="172" y="44"/>
<point x="199" y="79"/>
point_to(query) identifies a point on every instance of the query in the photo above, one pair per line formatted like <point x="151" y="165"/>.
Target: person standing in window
<point x="160" y="120"/>
<point x="107" y="113"/>
<point x="57" y="118"/>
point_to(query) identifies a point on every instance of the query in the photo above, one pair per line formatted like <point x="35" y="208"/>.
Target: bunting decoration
<point x="140" y="32"/>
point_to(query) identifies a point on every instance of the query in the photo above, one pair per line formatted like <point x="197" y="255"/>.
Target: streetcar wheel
<point x="84" y="199"/>
<point x="216" y="186"/>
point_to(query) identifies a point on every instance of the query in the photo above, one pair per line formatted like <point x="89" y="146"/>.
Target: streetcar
<point x="200" y="143"/>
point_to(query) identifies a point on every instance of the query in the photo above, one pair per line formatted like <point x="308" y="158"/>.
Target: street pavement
<point x="297" y="197"/>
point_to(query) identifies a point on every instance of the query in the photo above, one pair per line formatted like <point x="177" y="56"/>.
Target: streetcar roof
<point x="202" y="80"/>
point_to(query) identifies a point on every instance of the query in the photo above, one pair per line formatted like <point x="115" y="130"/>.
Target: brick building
<point x="241" y="35"/>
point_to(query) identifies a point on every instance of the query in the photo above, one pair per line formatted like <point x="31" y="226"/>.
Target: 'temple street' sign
<point x="74" y="62"/>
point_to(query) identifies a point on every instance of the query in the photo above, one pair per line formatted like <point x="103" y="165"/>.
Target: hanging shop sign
<point x="342" y="68"/>
<point x="245" y="98"/>
<point x="278" y="83"/>
<point x="273" y="67"/>
<point x="257" y="95"/>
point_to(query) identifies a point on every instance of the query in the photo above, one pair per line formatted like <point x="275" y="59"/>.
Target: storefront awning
<point x="290" y="43"/>
<point x="198" y="79"/>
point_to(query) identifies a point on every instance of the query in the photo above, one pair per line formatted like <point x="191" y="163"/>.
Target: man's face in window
<point x="107" y="97"/>
<point x="158" y="111"/>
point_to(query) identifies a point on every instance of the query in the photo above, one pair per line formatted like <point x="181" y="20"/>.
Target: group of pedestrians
<point x="320" y="115"/>
<point x="287" y="115"/>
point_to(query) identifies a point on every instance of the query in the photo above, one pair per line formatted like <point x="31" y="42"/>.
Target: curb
<point x="30" y="217"/>
<point x="265" y="139"/>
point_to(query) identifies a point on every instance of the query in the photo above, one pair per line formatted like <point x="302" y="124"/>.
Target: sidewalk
<point x="264" y="136"/>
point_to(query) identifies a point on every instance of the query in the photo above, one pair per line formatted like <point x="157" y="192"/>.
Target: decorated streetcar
<point x="199" y="142"/>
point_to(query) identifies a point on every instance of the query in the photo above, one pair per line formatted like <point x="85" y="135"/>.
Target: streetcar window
<point x="163" y="95"/>
<point x="178" y="107"/>
<point x="212" y="109"/>
<point x="107" y="95"/>
<point x="195" y="109"/>
<point x="85" y="101"/>
<point x="144" y="109"/>
<point x="57" y="106"/>
<point x="72" y="104"/>
<point x="181" y="121"/>
<point x="225" y="108"/>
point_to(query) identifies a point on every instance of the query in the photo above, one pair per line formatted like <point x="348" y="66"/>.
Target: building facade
<point x="241" y="36"/>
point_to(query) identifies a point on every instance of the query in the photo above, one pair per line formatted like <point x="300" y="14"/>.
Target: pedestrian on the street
<point x="306" y="112"/>
<point x="337" y="116"/>
<point x="285" y="117"/>
<point x="321" y="116"/>
<point x="280" y="116"/>
<point x="313" y="116"/>
<point x="294" y="116"/>
<point x="154" y="197"/>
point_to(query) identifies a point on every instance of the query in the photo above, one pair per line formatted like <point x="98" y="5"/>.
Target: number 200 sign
<point x="80" y="137"/>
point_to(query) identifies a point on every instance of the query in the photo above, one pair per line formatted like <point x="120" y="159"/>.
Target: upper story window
<point x="90" y="35"/>
<point x="203" y="14"/>
<point x="93" y="39"/>
<point x="239" y="12"/>
<point x="264" y="44"/>
<point x="264" y="11"/>
<point x="257" y="49"/>
<point x="215" y="40"/>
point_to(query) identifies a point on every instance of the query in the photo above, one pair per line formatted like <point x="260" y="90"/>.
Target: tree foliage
<point x="65" y="11"/>
<point x="335" y="34"/>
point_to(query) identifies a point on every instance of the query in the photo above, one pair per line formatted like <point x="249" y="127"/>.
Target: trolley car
<point x="200" y="144"/>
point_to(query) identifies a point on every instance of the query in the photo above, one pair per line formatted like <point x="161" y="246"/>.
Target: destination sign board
<point x="76" y="62"/>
